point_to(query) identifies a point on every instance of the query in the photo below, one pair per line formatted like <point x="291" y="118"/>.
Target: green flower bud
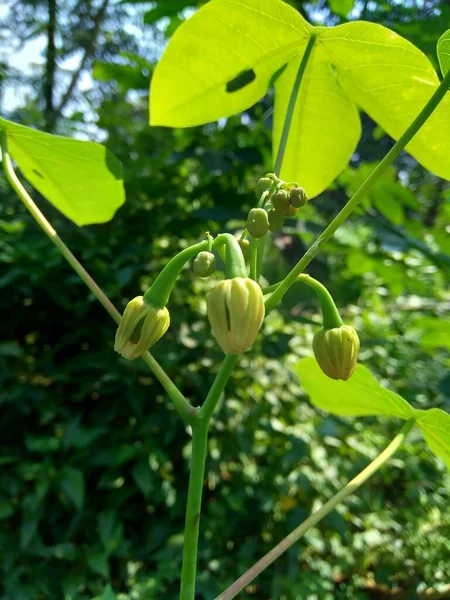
<point x="276" y="220"/>
<point x="204" y="264"/>
<point x="263" y="184"/>
<point x="298" y="197"/>
<point x="236" y="312"/>
<point x="280" y="201"/>
<point x="257" y="222"/>
<point x="290" y="211"/>
<point x="245" y="247"/>
<point x="336" y="351"/>
<point x="141" y="326"/>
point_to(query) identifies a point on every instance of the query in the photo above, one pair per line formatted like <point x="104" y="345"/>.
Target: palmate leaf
<point x="83" y="180"/>
<point x="362" y="395"/>
<point x="223" y="60"/>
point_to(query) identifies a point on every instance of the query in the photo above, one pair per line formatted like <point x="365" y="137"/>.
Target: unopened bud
<point x="280" y="201"/>
<point x="141" y="326"/>
<point x="236" y="312"/>
<point x="245" y="247"/>
<point x="336" y="351"/>
<point x="290" y="211"/>
<point x="204" y="264"/>
<point x="276" y="220"/>
<point x="257" y="222"/>
<point x="298" y="197"/>
<point x="263" y="184"/>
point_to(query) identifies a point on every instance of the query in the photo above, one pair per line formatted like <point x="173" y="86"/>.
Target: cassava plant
<point x="221" y="61"/>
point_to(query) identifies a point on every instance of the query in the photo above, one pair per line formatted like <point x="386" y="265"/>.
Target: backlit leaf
<point x="435" y="427"/>
<point x="83" y="180"/>
<point x="443" y="52"/>
<point x="360" y="395"/>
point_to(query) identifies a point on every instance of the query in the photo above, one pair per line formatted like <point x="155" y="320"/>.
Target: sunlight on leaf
<point x="435" y="427"/>
<point x="443" y="52"/>
<point x="83" y="180"/>
<point x="361" y="395"/>
<point x="222" y="60"/>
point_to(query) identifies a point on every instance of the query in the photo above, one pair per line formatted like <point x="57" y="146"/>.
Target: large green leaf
<point x="81" y="179"/>
<point x="361" y="395"/>
<point x="435" y="426"/>
<point x="443" y="52"/>
<point x="223" y="59"/>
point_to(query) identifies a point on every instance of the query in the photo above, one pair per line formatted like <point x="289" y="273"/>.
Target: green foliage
<point x="355" y="65"/>
<point x="82" y="179"/>
<point x="69" y="402"/>
<point x="443" y="52"/>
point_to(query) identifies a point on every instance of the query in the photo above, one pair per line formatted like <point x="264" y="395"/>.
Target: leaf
<point x="443" y="52"/>
<point x="353" y="65"/>
<point x="83" y="180"/>
<point x="72" y="484"/>
<point x="98" y="562"/>
<point x="361" y="395"/>
<point x="341" y="7"/>
<point x="434" y="332"/>
<point x="434" y="424"/>
<point x="391" y="80"/>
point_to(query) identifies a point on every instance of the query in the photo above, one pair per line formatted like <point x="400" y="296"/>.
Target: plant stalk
<point x="423" y="116"/>
<point x="241" y="583"/>
<point x="187" y="412"/>
<point x="291" y="105"/>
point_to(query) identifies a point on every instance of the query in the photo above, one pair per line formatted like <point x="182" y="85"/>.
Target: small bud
<point x="141" y="326"/>
<point x="204" y="264"/>
<point x="263" y="184"/>
<point x="280" y="201"/>
<point x="257" y="222"/>
<point x="276" y="220"/>
<point x="298" y="197"/>
<point x="245" y="247"/>
<point x="336" y="351"/>
<point x="236" y="312"/>
<point x="290" y="211"/>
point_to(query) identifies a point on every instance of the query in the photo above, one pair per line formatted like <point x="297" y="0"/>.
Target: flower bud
<point x="204" y="264"/>
<point x="257" y="222"/>
<point x="276" y="220"/>
<point x="336" y="351"/>
<point x="298" y="197"/>
<point x="236" y="312"/>
<point x="245" y="247"/>
<point x="290" y="211"/>
<point x="263" y="184"/>
<point x="280" y="201"/>
<point x="141" y="326"/>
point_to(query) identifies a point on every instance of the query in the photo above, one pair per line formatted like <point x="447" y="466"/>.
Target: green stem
<point x="243" y="581"/>
<point x="360" y="193"/>
<point x="194" y="501"/>
<point x="210" y="403"/>
<point x="253" y="258"/>
<point x="197" y="472"/>
<point x="291" y="105"/>
<point x="261" y="248"/>
<point x="183" y="407"/>
<point x="234" y="260"/>
<point x="159" y="292"/>
<point x="330" y="314"/>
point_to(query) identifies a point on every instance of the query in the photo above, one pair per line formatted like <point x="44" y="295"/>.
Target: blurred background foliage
<point x="94" y="460"/>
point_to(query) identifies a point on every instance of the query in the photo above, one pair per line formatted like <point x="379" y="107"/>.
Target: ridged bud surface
<point x="336" y="351"/>
<point x="236" y="312"/>
<point x="141" y="326"/>
<point x="204" y="264"/>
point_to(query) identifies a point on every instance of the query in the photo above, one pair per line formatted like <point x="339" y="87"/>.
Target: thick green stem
<point x="159" y="292"/>
<point x="197" y="471"/>
<point x="261" y="249"/>
<point x="241" y="583"/>
<point x="187" y="412"/>
<point x="194" y="501"/>
<point x="360" y="193"/>
<point x="234" y="260"/>
<point x="291" y="105"/>
<point x="330" y="314"/>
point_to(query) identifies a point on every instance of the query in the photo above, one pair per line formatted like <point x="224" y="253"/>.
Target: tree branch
<point x="50" y="66"/>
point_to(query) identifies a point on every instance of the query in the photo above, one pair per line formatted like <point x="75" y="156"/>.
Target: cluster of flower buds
<point x="280" y="200"/>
